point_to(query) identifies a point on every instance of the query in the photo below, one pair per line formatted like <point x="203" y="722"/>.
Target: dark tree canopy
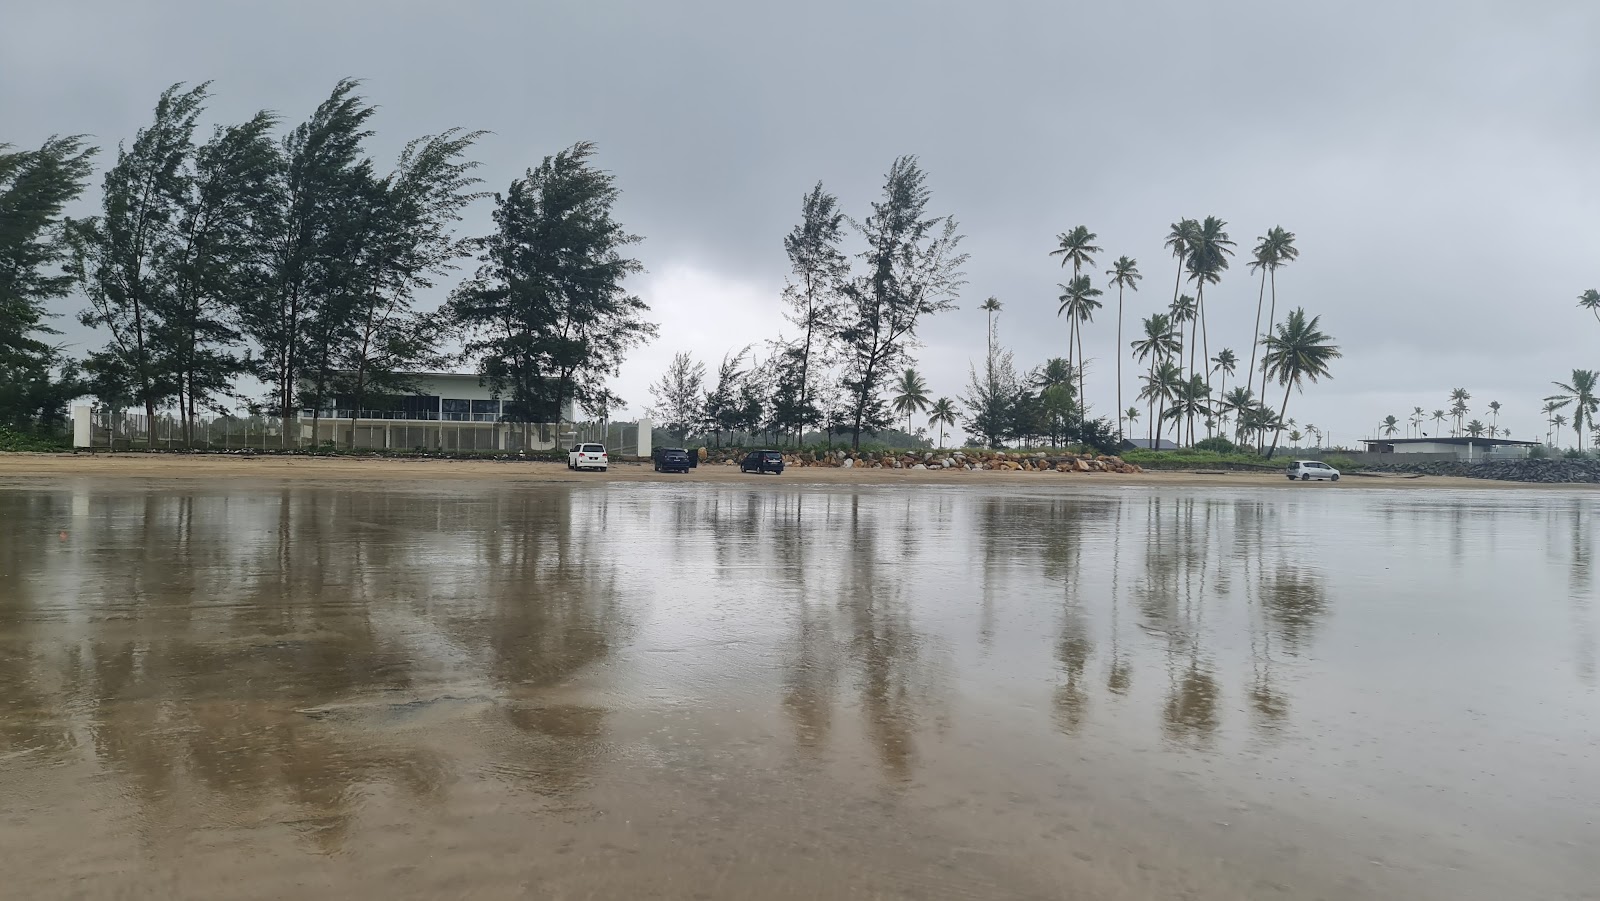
<point x="35" y="185"/>
<point x="548" y="301"/>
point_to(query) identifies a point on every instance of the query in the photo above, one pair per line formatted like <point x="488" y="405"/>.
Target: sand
<point x="202" y="467"/>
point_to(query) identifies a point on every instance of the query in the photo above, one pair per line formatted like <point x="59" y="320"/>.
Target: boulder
<point x="847" y="463"/>
<point x="918" y="466"/>
<point x="1080" y="465"/>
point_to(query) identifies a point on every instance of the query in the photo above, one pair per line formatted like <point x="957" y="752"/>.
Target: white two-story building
<point x="448" y="411"/>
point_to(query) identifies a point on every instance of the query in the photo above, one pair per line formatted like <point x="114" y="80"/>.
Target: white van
<point x="1306" y="470"/>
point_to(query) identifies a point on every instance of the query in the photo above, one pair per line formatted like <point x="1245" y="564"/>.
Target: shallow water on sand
<point x="263" y="690"/>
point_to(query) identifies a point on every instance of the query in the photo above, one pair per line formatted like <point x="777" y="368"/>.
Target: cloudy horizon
<point x="1430" y="158"/>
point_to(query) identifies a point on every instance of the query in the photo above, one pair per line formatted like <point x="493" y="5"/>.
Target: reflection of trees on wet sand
<point x="263" y="655"/>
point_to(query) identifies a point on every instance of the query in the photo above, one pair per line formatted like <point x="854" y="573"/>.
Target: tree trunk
<point x="1255" y="337"/>
<point x="1278" y="428"/>
<point x="1120" y="437"/>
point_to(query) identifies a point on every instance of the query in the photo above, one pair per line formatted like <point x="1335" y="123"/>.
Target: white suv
<point x="1306" y="470"/>
<point x="587" y="456"/>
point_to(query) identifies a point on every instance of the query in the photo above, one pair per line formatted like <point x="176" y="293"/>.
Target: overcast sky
<point x="1437" y="161"/>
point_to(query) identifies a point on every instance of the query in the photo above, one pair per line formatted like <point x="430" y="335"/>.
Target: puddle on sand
<point x="729" y="692"/>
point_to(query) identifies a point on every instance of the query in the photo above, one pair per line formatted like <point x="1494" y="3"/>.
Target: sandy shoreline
<point x="16" y="468"/>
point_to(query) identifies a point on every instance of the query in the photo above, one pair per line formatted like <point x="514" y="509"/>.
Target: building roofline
<point x="1461" y="440"/>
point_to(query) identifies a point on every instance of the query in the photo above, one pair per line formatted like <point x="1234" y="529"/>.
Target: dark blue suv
<point x="671" y="459"/>
<point x="763" y="461"/>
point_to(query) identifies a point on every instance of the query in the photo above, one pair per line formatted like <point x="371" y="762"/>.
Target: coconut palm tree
<point x="1161" y="340"/>
<point x="1226" y="363"/>
<point x="991" y="306"/>
<point x="1315" y="433"/>
<point x="1076" y="247"/>
<point x="1208" y="259"/>
<point x="1297" y="353"/>
<point x="1236" y="404"/>
<point x="1438" y="419"/>
<point x="941" y="414"/>
<point x="1124" y="274"/>
<point x="911" y="395"/>
<point x="1559" y="422"/>
<point x="1274" y="250"/>
<point x="1494" y="415"/>
<point x="1295" y="436"/>
<point x="1581" y="393"/>
<point x="1180" y="240"/>
<point x="1078" y="303"/>
<point x="1167" y="382"/>
<point x="1590" y="300"/>
<point x="1475" y="429"/>
<point x="1189" y="399"/>
<point x="1417" y="416"/>
<point x="1132" y="415"/>
<point x="1390" y="426"/>
<point x="1458" y="405"/>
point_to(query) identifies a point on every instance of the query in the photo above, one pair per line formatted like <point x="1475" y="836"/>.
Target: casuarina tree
<point x="35" y="186"/>
<point x="548" y="300"/>
<point x="910" y="269"/>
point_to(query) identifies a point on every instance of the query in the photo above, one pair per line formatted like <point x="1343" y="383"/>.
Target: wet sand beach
<point x="231" y="468"/>
<point x="269" y="678"/>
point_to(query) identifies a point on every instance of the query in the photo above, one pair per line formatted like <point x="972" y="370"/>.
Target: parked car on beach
<point x="671" y="459"/>
<point x="1306" y="470"/>
<point x="588" y="456"/>
<point x="763" y="461"/>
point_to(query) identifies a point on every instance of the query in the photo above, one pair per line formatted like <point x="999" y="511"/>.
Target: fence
<point x="106" y="428"/>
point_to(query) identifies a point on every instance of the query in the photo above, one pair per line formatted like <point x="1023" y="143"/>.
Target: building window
<point x="485" y="411"/>
<point x="455" y="410"/>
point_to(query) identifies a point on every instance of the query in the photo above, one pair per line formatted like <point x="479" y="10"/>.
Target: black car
<point x="672" y="459"/>
<point x="763" y="461"/>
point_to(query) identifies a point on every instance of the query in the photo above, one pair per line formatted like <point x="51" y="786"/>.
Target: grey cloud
<point x="1434" y="158"/>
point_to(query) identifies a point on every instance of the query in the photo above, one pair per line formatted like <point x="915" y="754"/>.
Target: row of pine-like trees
<point x="290" y="255"/>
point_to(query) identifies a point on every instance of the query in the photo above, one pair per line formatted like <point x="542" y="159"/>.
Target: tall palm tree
<point x="1494" y="415"/>
<point x="1390" y="425"/>
<point x="1079" y="300"/>
<point x="1559" y="421"/>
<point x="1161" y="340"/>
<point x="1475" y="429"/>
<point x="1590" y="300"/>
<point x="1165" y="383"/>
<point x="1076" y="247"/>
<point x="1180" y="240"/>
<point x="1226" y="363"/>
<point x="941" y="414"/>
<point x="1314" y="432"/>
<point x="1583" y="394"/>
<point x="1124" y="274"/>
<point x="1208" y="258"/>
<point x="991" y="306"/>
<point x="1132" y="415"/>
<point x="1458" y="405"/>
<point x="1189" y="399"/>
<point x="1237" y="403"/>
<point x="1274" y="251"/>
<point x="911" y="395"/>
<point x="1548" y="410"/>
<point x="1298" y="352"/>
<point x="1417" y="416"/>
<point x="1438" y="418"/>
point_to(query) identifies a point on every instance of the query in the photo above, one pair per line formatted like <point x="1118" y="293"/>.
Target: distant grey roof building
<point x="1145" y="444"/>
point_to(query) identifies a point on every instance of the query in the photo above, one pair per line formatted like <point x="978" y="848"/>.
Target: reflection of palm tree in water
<point x="1172" y="601"/>
<point x="1119" y="678"/>
<point x="1580" y="578"/>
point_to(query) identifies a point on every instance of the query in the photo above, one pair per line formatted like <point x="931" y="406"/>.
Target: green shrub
<point x="1343" y="464"/>
<point x="1539" y="452"/>
<point x="1574" y="454"/>
<point x="1217" y="444"/>
<point x="13" y="441"/>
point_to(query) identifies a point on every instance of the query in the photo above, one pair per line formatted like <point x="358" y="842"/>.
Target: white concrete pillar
<point x="82" y="426"/>
<point x="644" y="437"/>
